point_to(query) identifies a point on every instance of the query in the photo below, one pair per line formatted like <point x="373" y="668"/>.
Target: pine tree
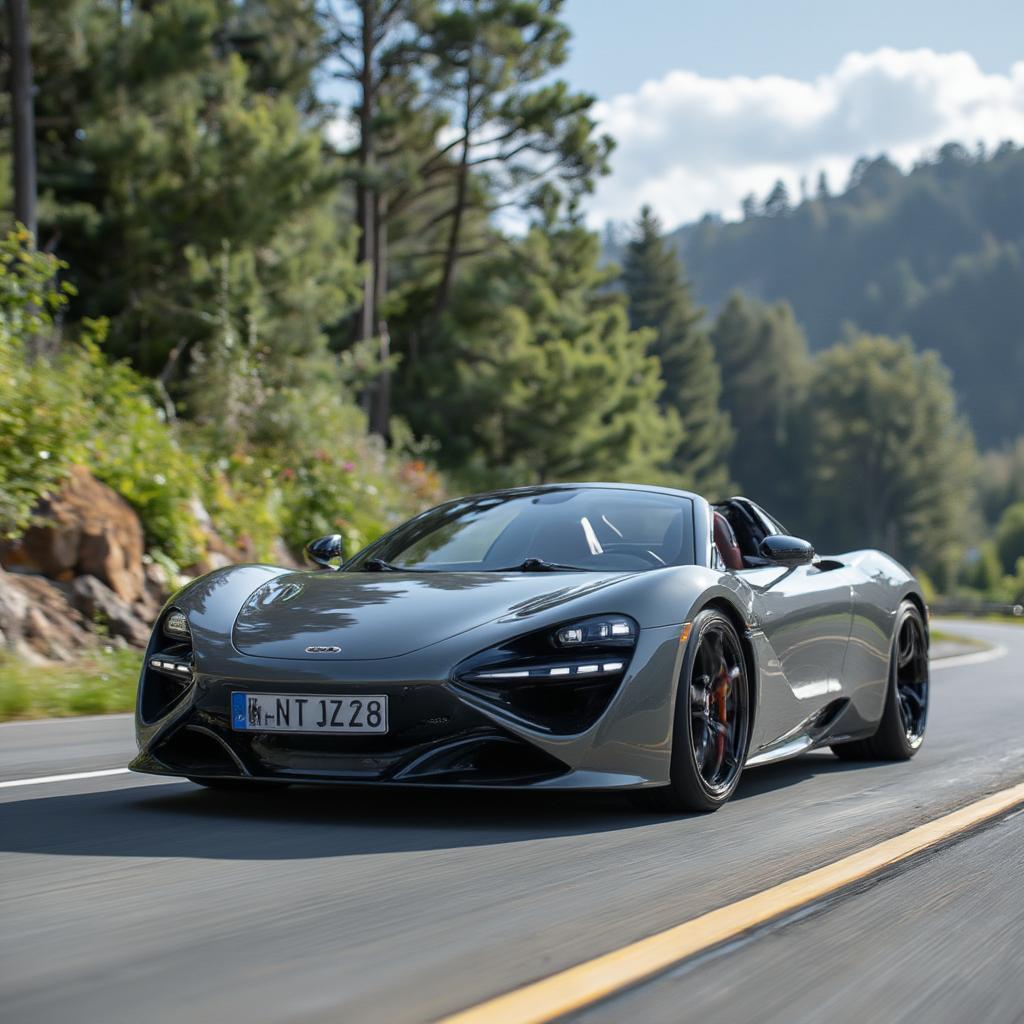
<point x="659" y="298"/>
<point x="515" y="128"/>
<point x="891" y="458"/>
<point x="538" y="375"/>
<point x="764" y="364"/>
<point x="180" y="135"/>
<point x="777" y="202"/>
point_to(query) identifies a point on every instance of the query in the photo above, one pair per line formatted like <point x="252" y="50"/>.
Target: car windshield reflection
<point x="542" y="529"/>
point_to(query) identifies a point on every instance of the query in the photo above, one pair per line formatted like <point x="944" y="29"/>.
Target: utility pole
<point x="22" y="115"/>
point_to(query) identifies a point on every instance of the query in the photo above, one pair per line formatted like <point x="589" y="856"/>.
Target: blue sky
<point x="711" y="100"/>
<point x="618" y="44"/>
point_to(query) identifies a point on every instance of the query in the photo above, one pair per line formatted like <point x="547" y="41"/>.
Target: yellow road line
<point x="593" y="980"/>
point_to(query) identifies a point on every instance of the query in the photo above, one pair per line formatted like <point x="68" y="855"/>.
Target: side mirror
<point x="324" y="551"/>
<point x="787" y="551"/>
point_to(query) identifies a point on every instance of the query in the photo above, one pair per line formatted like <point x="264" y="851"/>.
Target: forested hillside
<point x="936" y="254"/>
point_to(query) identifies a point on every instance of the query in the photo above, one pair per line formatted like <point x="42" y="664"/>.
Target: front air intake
<point x="167" y="672"/>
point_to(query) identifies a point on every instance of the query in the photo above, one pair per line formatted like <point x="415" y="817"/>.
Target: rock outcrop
<point x="38" y="621"/>
<point x="79" y="577"/>
<point x="85" y="529"/>
<point x="107" y="611"/>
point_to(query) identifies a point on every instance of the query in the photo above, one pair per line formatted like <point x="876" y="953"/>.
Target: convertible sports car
<point x="569" y="636"/>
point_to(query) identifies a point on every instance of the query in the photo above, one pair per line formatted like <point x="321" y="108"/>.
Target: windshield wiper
<point x="379" y="565"/>
<point x="539" y="565"/>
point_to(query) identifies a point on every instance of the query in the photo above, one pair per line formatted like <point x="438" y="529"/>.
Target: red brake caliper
<point x="720" y="695"/>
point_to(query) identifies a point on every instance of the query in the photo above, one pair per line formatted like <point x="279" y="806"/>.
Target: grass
<point x="955" y="638"/>
<point x="95" y="684"/>
<point x="1017" y="620"/>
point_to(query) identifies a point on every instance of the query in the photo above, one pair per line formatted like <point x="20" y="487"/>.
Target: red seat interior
<point x="725" y="541"/>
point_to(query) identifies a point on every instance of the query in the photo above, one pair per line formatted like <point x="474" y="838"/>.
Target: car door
<point x="806" y="615"/>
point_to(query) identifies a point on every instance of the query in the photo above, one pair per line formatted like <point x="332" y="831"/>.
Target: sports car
<point x="565" y="636"/>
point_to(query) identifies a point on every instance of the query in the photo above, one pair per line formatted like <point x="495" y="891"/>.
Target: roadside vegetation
<point x="98" y="683"/>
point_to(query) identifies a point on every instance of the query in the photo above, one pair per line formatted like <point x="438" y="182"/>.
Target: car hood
<point x="360" y="616"/>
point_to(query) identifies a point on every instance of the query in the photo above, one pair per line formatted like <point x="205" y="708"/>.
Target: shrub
<point x="1010" y="536"/>
<point x="38" y="423"/>
<point x="282" y="461"/>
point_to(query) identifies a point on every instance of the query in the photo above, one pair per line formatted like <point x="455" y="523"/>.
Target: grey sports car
<point x="569" y="636"/>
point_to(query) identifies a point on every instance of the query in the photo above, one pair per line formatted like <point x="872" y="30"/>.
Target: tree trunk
<point x="381" y="415"/>
<point x="22" y="115"/>
<point x="366" y="199"/>
<point x="462" y="181"/>
<point x="381" y="419"/>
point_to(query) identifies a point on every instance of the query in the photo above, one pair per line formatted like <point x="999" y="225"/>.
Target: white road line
<point x="21" y="722"/>
<point x="969" y="659"/>
<point x="64" y="778"/>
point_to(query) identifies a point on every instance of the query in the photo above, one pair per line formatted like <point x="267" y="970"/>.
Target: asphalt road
<point x="124" y="898"/>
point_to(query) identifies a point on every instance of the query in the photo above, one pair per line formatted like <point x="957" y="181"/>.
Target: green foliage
<point x="492" y="61"/>
<point x="538" y="376"/>
<point x="1001" y="480"/>
<point x="891" y="459"/>
<point x="987" y="572"/>
<point x="76" y="407"/>
<point x="928" y="590"/>
<point x="659" y="299"/>
<point x="38" y="424"/>
<point x="189" y="136"/>
<point x="342" y="481"/>
<point x="1009" y="537"/>
<point x="937" y="253"/>
<point x="129" y="446"/>
<point x="765" y="370"/>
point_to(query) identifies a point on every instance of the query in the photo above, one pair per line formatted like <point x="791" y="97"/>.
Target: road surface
<point x="125" y="898"/>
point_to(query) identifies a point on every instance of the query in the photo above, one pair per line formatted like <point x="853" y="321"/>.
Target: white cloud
<point x="689" y="144"/>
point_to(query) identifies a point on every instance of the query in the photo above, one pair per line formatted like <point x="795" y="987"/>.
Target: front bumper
<point x="439" y="734"/>
<point x="433" y="737"/>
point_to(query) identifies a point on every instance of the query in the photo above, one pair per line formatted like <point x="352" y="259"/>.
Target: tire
<point x="901" y="728"/>
<point x="713" y="694"/>
<point x="238" y="785"/>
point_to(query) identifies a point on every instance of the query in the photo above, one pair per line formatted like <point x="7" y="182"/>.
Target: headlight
<point x="559" y="679"/>
<point x="603" y="631"/>
<point x="176" y="625"/>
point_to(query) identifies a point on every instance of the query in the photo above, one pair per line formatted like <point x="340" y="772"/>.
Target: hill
<point x="936" y="253"/>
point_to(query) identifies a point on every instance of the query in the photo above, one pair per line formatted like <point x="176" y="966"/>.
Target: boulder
<point x="13" y="609"/>
<point x="84" y="529"/>
<point x="37" y="618"/>
<point x="104" y="608"/>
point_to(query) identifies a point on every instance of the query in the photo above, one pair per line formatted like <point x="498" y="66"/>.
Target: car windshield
<point x="542" y="529"/>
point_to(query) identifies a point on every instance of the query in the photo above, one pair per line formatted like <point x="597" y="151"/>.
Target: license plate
<point x="303" y="712"/>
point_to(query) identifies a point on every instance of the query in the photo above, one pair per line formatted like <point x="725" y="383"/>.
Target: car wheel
<point x="901" y="728"/>
<point x="712" y="719"/>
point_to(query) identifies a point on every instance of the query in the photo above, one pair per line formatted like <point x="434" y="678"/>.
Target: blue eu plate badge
<point x="238" y="718"/>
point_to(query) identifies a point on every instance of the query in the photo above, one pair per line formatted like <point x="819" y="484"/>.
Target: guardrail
<point x="952" y="606"/>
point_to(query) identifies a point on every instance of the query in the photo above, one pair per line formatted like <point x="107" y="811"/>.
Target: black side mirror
<point x="787" y="551"/>
<point x="324" y="551"/>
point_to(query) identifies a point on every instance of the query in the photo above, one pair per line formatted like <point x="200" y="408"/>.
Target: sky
<point x="710" y="100"/>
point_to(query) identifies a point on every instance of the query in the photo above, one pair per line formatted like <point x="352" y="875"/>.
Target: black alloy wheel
<point x="901" y="728"/>
<point x="912" y="678"/>
<point x="712" y="721"/>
